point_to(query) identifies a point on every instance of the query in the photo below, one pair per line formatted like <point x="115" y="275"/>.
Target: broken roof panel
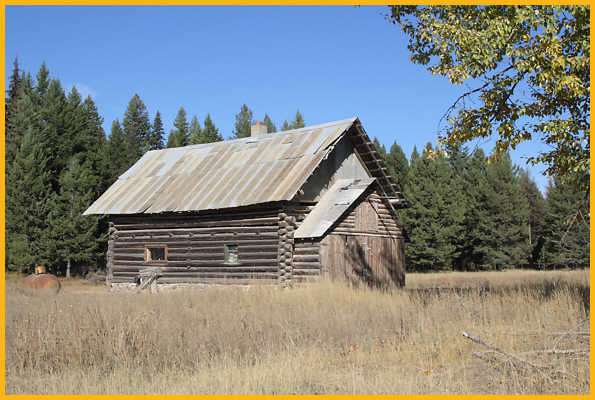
<point x="333" y="204"/>
<point x="220" y="175"/>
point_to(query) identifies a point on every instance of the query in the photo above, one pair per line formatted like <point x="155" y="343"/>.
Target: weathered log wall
<point x="306" y="260"/>
<point x="196" y="247"/>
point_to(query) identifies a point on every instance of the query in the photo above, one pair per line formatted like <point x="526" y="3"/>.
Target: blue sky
<point x="330" y="62"/>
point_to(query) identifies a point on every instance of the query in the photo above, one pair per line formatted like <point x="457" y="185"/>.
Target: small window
<point x="156" y="254"/>
<point x="231" y="254"/>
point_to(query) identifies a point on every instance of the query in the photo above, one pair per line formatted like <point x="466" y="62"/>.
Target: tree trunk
<point x="68" y="268"/>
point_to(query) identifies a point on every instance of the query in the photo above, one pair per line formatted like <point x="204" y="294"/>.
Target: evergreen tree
<point x="43" y="81"/>
<point x="504" y="218"/>
<point x="298" y="121"/>
<point x="537" y="205"/>
<point x="12" y="140"/>
<point x="432" y="221"/>
<point x="243" y="124"/>
<point x="155" y="139"/>
<point x="58" y="128"/>
<point x="397" y="165"/>
<point x="136" y="127"/>
<point x="470" y="182"/>
<point x="71" y="237"/>
<point x="117" y="152"/>
<point x="178" y="136"/>
<point x="379" y="148"/>
<point x="285" y="126"/>
<point x="28" y="189"/>
<point x="195" y="132"/>
<point x="22" y="115"/>
<point x="566" y="226"/>
<point x="271" y="128"/>
<point x="210" y="133"/>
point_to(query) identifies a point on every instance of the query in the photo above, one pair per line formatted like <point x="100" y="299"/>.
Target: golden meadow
<point x="325" y="338"/>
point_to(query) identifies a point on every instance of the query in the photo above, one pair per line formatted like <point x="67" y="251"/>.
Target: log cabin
<point x="276" y="208"/>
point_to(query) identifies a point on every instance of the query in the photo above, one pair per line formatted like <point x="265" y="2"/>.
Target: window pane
<point x="231" y="254"/>
<point x="156" y="254"/>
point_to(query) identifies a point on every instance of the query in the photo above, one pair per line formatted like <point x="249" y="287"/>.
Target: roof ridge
<point x="258" y="138"/>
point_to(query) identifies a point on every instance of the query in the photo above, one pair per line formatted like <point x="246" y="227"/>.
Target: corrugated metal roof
<point x="219" y="175"/>
<point x="331" y="206"/>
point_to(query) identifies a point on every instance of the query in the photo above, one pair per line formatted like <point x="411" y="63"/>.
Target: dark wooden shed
<point x="279" y="208"/>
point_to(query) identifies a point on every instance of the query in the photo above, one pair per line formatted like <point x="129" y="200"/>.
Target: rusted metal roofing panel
<point x="219" y="175"/>
<point x="333" y="204"/>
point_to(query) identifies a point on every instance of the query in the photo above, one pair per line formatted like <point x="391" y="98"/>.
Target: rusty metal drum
<point x="41" y="283"/>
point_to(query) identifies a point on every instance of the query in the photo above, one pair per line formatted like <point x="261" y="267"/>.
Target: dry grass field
<point x="325" y="338"/>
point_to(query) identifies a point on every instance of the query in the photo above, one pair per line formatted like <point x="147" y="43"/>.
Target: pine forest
<point x="465" y="213"/>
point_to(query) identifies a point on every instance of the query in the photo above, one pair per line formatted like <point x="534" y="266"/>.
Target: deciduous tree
<point x="528" y="68"/>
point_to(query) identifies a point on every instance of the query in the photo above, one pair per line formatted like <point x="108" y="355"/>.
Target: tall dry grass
<point x="324" y="338"/>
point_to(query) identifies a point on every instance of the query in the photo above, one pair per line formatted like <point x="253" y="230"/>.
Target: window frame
<point x="226" y="253"/>
<point x="155" y="246"/>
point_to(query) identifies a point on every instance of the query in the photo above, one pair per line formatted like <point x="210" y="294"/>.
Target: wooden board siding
<point x="371" y="216"/>
<point x="365" y="245"/>
<point x="377" y="261"/>
<point x="196" y="247"/>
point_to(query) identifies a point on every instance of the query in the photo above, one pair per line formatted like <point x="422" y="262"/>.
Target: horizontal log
<point x="270" y="262"/>
<point x="306" y="250"/>
<point x="231" y="281"/>
<point x="306" y="243"/>
<point x="226" y="269"/>
<point x="306" y="278"/>
<point x="149" y="224"/>
<point x="306" y="265"/>
<point x="213" y="216"/>
<point x="241" y="256"/>
<point x="225" y="238"/>
<point x="305" y="257"/>
<point x="221" y="274"/>
<point x="216" y="258"/>
<point x="202" y="249"/>
<point x="309" y="271"/>
<point x="204" y="244"/>
<point x="188" y="231"/>
<point x="203" y="274"/>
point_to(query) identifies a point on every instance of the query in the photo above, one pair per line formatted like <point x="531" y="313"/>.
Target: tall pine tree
<point x="566" y="229"/>
<point x="136" y="127"/>
<point x="536" y="226"/>
<point x="432" y="222"/>
<point x="195" y="132"/>
<point x="271" y="128"/>
<point x="504" y="218"/>
<point x="298" y="121"/>
<point x="243" y="124"/>
<point x="28" y="190"/>
<point x="117" y="152"/>
<point x="71" y="237"/>
<point x="210" y="133"/>
<point x="397" y="165"/>
<point x="12" y="137"/>
<point x="178" y="136"/>
<point x="155" y="139"/>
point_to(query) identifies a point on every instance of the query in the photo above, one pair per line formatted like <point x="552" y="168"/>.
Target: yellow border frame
<point x="5" y="3"/>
